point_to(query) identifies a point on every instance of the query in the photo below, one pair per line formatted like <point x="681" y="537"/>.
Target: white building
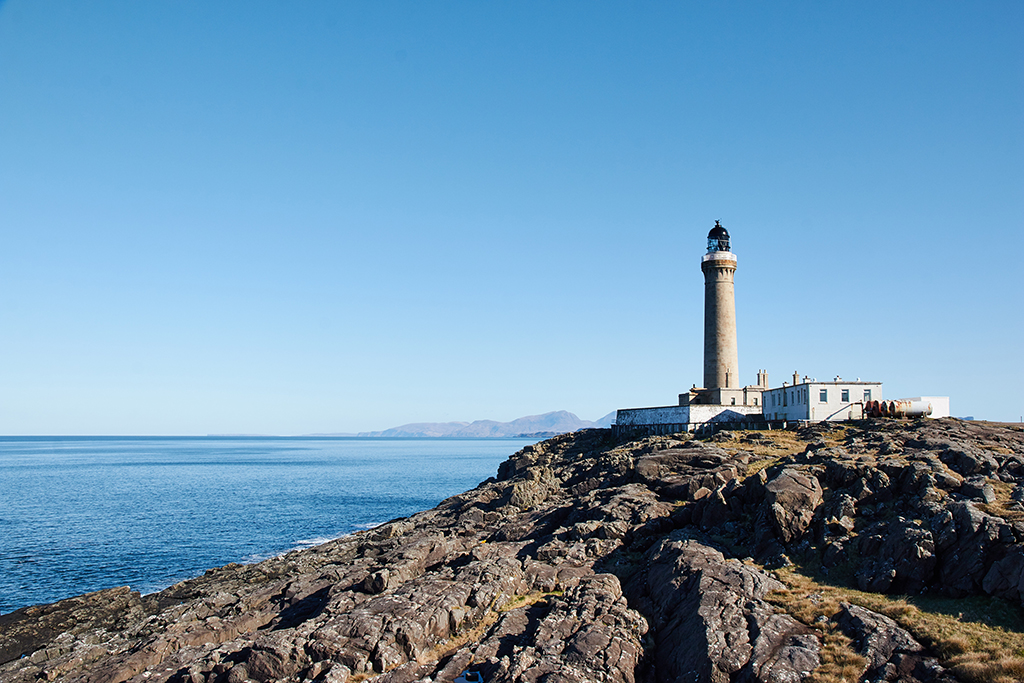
<point x="816" y="401"/>
<point x="939" y="404"/>
<point x="686" y="418"/>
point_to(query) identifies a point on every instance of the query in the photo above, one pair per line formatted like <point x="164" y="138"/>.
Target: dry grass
<point x="783" y="442"/>
<point x="837" y="435"/>
<point x="531" y="598"/>
<point x="758" y="465"/>
<point x="780" y="443"/>
<point x="978" y="639"/>
<point x="470" y="635"/>
<point x="999" y="508"/>
<point x="839" y="662"/>
<point x="1002" y="450"/>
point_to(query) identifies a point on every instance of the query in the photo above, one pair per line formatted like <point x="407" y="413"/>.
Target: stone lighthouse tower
<point x="721" y="357"/>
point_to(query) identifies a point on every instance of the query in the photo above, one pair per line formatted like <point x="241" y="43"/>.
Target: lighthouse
<point x="721" y="353"/>
<point x="721" y="356"/>
<point x="722" y="399"/>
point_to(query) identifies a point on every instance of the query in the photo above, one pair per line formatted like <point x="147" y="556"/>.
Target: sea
<point x="79" y="514"/>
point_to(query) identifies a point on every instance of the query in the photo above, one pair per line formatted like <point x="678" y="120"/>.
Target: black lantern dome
<point x="718" y="238"/>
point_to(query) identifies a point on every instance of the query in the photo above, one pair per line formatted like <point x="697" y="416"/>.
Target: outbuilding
<point x="815" y="401"/>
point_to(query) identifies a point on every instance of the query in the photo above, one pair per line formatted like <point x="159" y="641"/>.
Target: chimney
<point x="796" y="378"/>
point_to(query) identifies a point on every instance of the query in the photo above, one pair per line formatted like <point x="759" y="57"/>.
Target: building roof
<point x="718" y="232"/>
<point x="816" y="382"/>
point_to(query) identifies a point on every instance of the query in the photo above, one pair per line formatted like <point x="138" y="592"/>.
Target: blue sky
<point x="284" y="218"/>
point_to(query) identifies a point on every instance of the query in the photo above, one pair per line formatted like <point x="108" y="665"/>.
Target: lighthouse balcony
<point x="718" y="256"/>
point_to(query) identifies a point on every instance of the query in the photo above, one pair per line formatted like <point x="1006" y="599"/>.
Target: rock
<point x="589" y="634"/>
<point x="682" y="473"/>
<point x="898" y="558"/>
<point x="715" y="510"/>
<point x="710" y="621"/>
<point x="979" y="489"/>
<point x="967" y="459"/>
<point x="964" y="564"/>
<point x="839" y="527"/>
<point x="520" y="578"/>
<point x="834" y="554"/>
<point x="1005" y="578"/>
<point x="891" y="652"/>
<point x="791" y="499"/>
<point x="841" y="505"/>
<point x="534" y="489"/>
<point x="27" y="630"/>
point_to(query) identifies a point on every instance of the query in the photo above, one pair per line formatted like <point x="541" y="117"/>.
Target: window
<point x="823" y="396"/>
<point x="867" y="394"/>
<point x="846" y="395"/>
<point x="734" y="401"/>
<point x="755" y="401"/>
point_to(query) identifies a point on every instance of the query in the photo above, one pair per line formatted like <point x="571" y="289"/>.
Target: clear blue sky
<point x="284" y="218"/>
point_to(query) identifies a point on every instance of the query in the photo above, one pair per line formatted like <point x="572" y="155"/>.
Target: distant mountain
<point x="557" y="422"/>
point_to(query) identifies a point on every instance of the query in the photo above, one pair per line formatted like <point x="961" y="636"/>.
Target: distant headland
<point x="544" y="425"/>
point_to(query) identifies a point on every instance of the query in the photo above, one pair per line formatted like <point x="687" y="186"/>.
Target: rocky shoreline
<point x="596" y="558"/>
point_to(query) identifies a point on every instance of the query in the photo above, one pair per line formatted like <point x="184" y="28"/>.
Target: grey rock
<point x="710" y="620"/>
<point x="967" y="459"/>
<point x="1005" y="578"/>
<point x="891" y="652"/>
<point x="791" y="499"/>
<point x="899" y="557"/>
<point x="475" y="582"/>
<point x="978" y="488"/>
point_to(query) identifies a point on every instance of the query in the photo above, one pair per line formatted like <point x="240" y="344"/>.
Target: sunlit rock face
<point x="589" y="557"/>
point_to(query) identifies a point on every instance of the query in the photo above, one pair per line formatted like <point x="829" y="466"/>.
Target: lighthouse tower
<point x="721" y="356"/>
<point x="722" y="399"/>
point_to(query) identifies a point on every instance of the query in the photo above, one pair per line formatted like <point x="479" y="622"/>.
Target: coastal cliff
<point x="880" y="550"/>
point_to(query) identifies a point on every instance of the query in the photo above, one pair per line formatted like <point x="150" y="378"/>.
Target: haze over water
<point x="79" y="514"/>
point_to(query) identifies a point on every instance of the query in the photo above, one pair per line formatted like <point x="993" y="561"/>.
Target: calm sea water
<point x="79" y="514"/>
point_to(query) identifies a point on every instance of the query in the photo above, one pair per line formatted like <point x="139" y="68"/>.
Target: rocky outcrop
<point x="588" y="558"/>
<point x="710" y="621"/>
<point x="890" y="653"/>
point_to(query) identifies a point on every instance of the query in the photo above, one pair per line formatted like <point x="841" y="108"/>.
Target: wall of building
<point x="631" y="417"/>
<point x="803" y="401"/>
<point x="702" y="414"/>
<point x="940" y="404"/>
<point x="686" y="417"/>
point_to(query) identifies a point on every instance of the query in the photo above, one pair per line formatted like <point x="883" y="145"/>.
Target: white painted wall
<point x="710" y="413"/>
<point x="803" y="401"/>
<point x="690" y="416"/>
<point x="632" y="417"/>
<point x="940" y="404"/>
